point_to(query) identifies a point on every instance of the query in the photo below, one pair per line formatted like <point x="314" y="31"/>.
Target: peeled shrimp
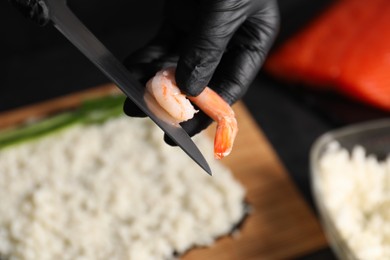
<point x="164" y="89"/>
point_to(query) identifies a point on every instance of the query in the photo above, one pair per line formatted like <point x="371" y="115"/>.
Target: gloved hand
<point x="218" y="43"/>
<point x="36" y="10"/>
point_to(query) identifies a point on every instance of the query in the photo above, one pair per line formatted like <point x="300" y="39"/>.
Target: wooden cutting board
<point x="281" y="225"/>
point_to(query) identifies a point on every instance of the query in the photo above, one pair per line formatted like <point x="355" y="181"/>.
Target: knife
<point x="79" y="35"/>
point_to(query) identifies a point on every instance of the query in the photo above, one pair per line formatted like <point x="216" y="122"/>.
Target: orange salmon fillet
<point x="346" y="49"/>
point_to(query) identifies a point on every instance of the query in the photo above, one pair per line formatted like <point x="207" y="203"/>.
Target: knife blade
<point x="79" y="35"/>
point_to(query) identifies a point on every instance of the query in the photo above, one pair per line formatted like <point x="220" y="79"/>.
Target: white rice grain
<point x="111" y="191"/>
<point x="356" y="193"/>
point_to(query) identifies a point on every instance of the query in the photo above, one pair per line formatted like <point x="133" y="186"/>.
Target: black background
<point x="37" y="63"/>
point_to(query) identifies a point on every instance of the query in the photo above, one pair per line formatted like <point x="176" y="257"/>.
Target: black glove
<point x="218" y="43"/>
<point x="36" y="10"/>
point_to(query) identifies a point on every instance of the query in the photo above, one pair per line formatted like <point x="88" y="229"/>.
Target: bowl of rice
<point x="350" y="178"/>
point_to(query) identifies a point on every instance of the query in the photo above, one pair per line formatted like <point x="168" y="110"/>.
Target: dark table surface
<point x="38" y="64"/>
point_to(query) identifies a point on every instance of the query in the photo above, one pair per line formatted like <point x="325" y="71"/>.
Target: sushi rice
<point x="112" y="190"/>
<point x="355" y="188"/>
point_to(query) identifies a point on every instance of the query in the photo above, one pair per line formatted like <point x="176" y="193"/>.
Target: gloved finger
<point x="131" y="109"/>
<point x="144" y="63"/>
<point x="159" y="52"/>
<point x="193" y="126"/>
<point x="241" y="62"/>
<point x="143" y="71"/>
<point x="207" y="42"/>
<point x="246" y="54"/>
<point x="36" y="10"/>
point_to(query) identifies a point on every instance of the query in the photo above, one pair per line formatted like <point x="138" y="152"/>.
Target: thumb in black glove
<point x="217" y="43"/>
<point x="36" y="10"/>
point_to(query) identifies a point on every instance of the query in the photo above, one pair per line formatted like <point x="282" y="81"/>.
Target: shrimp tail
<point x="220" y="111"/>
<point x="224" y="138"/>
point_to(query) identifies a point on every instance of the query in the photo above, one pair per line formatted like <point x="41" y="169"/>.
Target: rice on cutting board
<point x="356" y="192"/>
<point x="111" y="191"/>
